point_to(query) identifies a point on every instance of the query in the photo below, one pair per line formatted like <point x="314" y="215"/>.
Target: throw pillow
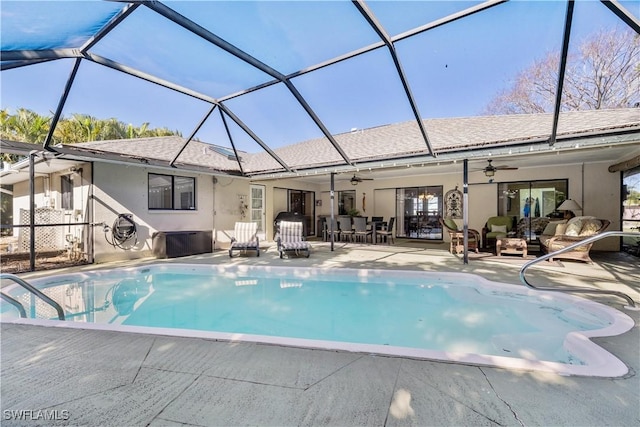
<point x="590" y="227"/>
<point x="580" y="218"/>
<point x="498" y="228"/>
<point x="573" y="228"/>
<point x="550" y="229"/>
<point x="561" y="228"/>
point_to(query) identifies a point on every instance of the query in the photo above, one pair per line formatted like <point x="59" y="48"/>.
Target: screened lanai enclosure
<point x="299" y="90"/>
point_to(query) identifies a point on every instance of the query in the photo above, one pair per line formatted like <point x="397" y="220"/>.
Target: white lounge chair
<point x="245" y="238"/>
<point x="291" y="239"/>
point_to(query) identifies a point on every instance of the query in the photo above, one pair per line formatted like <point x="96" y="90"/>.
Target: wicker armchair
<point x="457" y="236"/>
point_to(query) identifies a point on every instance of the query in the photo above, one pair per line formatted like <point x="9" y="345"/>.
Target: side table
<point x="511" y="245"/>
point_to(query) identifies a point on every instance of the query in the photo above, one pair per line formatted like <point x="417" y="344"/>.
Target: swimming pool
<point x="442" y="316"/>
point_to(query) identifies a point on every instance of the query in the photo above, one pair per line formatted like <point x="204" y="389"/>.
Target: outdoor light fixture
<point x="489" y="172"/>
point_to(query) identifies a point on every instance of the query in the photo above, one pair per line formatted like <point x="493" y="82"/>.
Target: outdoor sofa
<point x="560" y="234"/>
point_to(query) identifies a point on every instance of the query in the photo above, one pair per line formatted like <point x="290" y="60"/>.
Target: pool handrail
<point x="599" y="236"/>
<point x="15" y="303"/>
<point x="34" y="291"/>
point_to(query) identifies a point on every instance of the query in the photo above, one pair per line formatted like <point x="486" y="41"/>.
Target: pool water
<point x="444" y="316"/>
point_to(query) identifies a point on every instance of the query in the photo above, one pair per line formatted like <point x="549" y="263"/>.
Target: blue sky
<point x="453" y="70"/>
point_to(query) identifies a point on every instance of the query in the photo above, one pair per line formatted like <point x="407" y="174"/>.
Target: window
<point x="418" y="210"/>
<point x="346" y="202"/>
<point x="66" y="189"/>
<point x="171" y="192"/>
<point x="533" y="199"/>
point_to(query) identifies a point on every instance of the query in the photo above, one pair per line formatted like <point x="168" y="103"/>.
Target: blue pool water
<point x="456" y="315"/>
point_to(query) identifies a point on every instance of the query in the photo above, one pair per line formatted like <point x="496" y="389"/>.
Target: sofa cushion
<point x="550" y="229"/>
<point x="498" y="228"/>
<point x="573" y="228"/>
<point x="590" y="227"/>
<point x="561" y="228"/>
<point x="580" y="218"/>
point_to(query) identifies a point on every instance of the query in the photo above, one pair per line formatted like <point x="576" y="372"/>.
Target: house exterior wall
<point x="124" y="189"/>
<point x="227" y="208"/>
<point x="217" y="208"/>
<point x="48" y="196"/>
<point x="276" y="199"/>
<point x="591" y="185"/>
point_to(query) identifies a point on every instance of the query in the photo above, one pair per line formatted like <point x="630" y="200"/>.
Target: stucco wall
<point x="226" y="207"/>
<point x="123" y="189"/>
<point x="591" y="185"/>
<point x="48" y="195"/>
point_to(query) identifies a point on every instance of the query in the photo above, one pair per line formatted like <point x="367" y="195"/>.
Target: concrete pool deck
<point x="90" y="377"/>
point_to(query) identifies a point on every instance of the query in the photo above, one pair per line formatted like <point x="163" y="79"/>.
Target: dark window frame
<point x="173" y="206"/>
<point x="529" y="185"/>
<point x="420" y="216"/>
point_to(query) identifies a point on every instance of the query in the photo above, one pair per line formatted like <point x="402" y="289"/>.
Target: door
<point x="303" y="203"/>
<point x="257" y="206"/>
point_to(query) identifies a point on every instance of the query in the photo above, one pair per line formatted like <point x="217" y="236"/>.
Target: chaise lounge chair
<point x="291" y="239"/>
<point x="245" y="238"/>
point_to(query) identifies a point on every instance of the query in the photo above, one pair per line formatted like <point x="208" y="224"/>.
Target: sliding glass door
<point x="418" y="210"/>
<point x="525" y="201"/>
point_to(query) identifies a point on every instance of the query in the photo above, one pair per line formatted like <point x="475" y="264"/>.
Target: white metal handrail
<point x="600" y="236"/>
<point x="15" y="303"/>
<point x="34" y="291"/>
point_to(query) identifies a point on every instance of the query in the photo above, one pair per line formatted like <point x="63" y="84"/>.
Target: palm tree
<point x="29" y="126"/>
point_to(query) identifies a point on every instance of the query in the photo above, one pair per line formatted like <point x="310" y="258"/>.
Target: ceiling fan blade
<point x="506" y="168"/>
<point x="356" y="178"/>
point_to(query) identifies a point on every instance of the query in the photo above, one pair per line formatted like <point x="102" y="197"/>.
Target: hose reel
<point x="123" y="230"/>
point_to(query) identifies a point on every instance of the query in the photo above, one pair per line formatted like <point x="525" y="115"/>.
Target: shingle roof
<point x="166" y="148"/>
<point x="384" y="142"/>
<point x="404" y="139"/>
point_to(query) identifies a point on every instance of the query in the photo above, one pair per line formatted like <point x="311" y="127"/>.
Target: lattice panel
<point x="47" y="238"/>
<point x="71" y="298"/>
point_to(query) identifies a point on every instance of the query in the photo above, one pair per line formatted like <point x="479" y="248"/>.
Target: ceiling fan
<point x="356" y="179"/>
<point x="490" y="170"/>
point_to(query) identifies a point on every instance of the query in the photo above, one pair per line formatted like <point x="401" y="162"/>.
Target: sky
<point x="452" y="71"/>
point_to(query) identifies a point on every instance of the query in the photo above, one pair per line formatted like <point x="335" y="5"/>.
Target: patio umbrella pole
<point x="465" y="209"/>
<point x="331" y="205"/>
